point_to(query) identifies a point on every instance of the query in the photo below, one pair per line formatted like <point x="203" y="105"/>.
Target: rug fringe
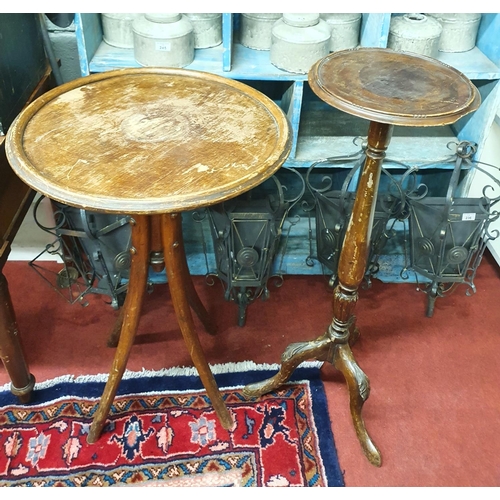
<point x="175" y="371"/>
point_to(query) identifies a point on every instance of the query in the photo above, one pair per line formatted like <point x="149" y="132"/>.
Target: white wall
<point x="30" y="240"/>
<point x="490" y="154"/>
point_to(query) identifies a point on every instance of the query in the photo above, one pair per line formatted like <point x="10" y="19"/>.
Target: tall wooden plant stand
<point x="387" y="88"/>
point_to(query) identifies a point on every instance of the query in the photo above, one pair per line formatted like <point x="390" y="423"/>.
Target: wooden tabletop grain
<point x="148" y="140"/>
<point x="398" y="88"/>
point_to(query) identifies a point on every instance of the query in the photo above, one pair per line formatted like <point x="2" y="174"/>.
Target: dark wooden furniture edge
<point x="15" y="195"/>
<point x="15" y="201"/>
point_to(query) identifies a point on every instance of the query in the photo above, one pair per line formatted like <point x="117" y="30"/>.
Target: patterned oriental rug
<point x="162" y="431"/>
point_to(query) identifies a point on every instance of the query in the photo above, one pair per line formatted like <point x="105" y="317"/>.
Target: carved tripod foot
<point x="338" y="353"/>
<point x="292" y="357"/>
<point x="359" y="390"/>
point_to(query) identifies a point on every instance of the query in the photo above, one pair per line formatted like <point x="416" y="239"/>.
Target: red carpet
<point x="163" y="431"/>
<point x="434" y="407"/>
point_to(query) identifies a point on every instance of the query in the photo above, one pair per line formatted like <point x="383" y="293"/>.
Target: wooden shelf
<point x="325" y="132"/>
<point x="250" y="64"/>
<point x="108" y="57"/>
<point x="255" y="64"/>
<point x="422" y="150"/>
<point x="247" y="64"/>
<point x="318" y="130"/>
<point x="473" y="63"/>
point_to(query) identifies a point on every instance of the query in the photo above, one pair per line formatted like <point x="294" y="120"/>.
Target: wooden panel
<point x="15" y="195"/>
<point x="374" y="30"/>
<point x="472" y="63"/>
<point x="15" y="199"/>
<point x="488" y="37"/>
<point x="88" y="31"/>
<point x="108" y="58"/>
<point x="292" y="105"/>
<point x="227" y="41"/>
<point x="476" y="126"/>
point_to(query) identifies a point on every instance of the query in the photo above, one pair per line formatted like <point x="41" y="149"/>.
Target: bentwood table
<point x="387" y="88"/>
<point x="150" y="143"/>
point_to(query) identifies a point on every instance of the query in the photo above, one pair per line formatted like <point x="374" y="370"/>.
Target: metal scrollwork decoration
<point x="94" y="249"/>
<point x="449" y="234"/>
<point x="333" y="206"/>
<point x="444" y="236"/>
<point x="246" y="233"/>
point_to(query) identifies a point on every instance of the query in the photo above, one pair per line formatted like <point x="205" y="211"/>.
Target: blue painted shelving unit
<point x="320" y="131"/>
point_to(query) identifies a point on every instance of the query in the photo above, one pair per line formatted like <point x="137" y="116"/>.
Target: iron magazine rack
<point x="441" y="235"/>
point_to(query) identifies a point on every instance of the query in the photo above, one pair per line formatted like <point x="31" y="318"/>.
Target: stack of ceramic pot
<point x="459" y="31"/>
<point x="415" y="33"/>
<point x="117" y="29"/>
<point x="345" y="30"/>
<point x="256" y="30"/>
<point x="163" y="40"/>
<point x="298" y="41"/>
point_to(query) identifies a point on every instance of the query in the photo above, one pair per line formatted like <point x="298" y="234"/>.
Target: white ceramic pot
<point x="298" y="41"/>
<point x="415" y="33"/>
<point x="256" y="29"/>
<point x="345" y="30"/>
<point x="117" y="29"/>
<point x="459" y="31"/>
<point x="207" y="29"/>
<point x="163" y="40"/>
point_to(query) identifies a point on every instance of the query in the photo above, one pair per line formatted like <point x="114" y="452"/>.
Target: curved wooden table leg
<point x="294" y="354"/>
<point x="156" y="254"/>
<point x="359" y="390"/>
<point x="192" y="296"/>
<point x="114" y="336"/>
<point x="197" y="305"/>
<point x="178" y="278"/>
<point x="11" y="351"/>
<point x="132" y="311"/>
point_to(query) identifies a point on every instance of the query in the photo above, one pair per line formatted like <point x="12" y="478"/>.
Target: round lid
<point x="124" y="17"/>
<point x="263" y="16"/>
<point x="163" y="18"/>
<point x="340" y="18"/>
<point x="148" y="140"/>
<point x="301" y="20"/>
<point x="146" y="28"/>
<point x="457" y="18"/>
<point x="393" y="87"/>
<point x="200" y="17"/>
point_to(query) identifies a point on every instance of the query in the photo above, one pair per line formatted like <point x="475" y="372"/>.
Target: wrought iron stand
<point x="94" y="248"/>
<point x="246" y="233"/>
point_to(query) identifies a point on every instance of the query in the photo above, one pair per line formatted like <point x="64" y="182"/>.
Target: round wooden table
<point x="388" y="88"/>
<point x="150" y="143"/>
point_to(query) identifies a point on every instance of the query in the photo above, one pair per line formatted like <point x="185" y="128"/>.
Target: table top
<point x="398" y="88"/>
<point x="148" y="140"/>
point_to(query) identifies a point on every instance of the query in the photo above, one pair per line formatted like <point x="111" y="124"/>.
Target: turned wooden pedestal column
<point x="388" y="88"/>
